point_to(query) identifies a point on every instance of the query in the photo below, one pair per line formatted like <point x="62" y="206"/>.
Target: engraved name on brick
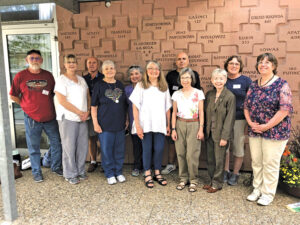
<point x="196" y="60"/>
<point x="147" y="48"/>
<point x="182" y="35"/>
<point x="159" y="25"/>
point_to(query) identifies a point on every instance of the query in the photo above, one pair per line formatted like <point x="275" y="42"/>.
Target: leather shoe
<point x="206" y="187"/>
<point x="213" y="190"/>
<point x="92" y="167"/>
<point x="17" y="171"/>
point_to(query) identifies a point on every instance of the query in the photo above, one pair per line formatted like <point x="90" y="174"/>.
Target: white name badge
<point x="175" y="88"/>
<point x="45" y="92"/>
<point x="236" y="86"/>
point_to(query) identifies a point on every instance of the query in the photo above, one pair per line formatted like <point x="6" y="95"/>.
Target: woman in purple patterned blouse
<point x="267" y="108"/>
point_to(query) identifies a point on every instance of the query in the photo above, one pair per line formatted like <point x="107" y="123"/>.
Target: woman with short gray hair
<point x="109" y="118"/>
<point x="187" y="128"/>
<point x="220" y="116"/>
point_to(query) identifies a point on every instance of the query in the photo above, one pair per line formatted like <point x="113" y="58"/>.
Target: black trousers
<point x="137" y="152"/>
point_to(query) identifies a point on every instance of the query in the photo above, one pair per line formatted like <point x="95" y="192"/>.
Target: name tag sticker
<point x="236" y="86"/>
<point x="45" y="92"/>
<point x="175" y="88"/>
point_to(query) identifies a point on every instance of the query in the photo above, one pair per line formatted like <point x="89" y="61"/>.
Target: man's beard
<point x="35" y="67"/>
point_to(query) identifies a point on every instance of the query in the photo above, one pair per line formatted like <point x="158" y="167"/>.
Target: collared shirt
<point x="172" y="80"/>
<point x="91" y="82"/>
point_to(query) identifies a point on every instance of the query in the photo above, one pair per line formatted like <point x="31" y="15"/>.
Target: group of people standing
<point x="152" y="107"/>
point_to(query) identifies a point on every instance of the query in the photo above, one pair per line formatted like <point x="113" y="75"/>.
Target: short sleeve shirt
<point x="36" y="94"/>
<point x="152" y="105"/>
<point x="172" y="80"/>
<point x="239" y="88"/>
<point x="188" y="108"/>
<point x="76" y="94"/>
<point x="111" y="101"/>
<point x="92" y="82"/>
<point x="264" y="102"/>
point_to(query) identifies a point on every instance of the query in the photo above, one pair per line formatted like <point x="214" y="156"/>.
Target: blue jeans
<point x="158" y="141"/>
<point x="47" y="159"/>
<point x="33" y="131"/>
<point x="112" y="152"/>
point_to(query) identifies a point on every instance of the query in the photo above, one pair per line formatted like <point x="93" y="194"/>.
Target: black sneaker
<point x="227" y="175"/>
<point x="38" y="178"/>
<point x="92" y="167"/>
<point x="58" y="172"/>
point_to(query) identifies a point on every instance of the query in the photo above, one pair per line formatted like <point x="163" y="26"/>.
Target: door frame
<point x="41" y="28"/>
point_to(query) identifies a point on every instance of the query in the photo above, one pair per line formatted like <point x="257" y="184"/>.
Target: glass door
<point x="16" y="44"/>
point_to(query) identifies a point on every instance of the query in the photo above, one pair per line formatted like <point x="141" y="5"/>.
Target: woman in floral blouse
<point x="268" y="107"/>
<point x="188" y="118"/>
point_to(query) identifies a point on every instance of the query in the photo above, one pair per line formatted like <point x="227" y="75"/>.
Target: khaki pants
<point x="188" y="149"/>
<point x="266" y="155"/>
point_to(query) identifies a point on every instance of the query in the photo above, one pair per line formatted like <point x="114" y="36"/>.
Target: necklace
<point x="113" y="92"/>
<point x="265" y="84"/>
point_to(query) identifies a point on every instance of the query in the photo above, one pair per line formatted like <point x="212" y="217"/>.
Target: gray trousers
<point x="74" y="140"/>
<point x="188" y="149"/>
<point x="215" y="162"/>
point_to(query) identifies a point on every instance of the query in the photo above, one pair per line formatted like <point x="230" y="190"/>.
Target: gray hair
<point x="188" y="71"/>
<point x="108" y="63"/>
<point x="134" y="67"/>
<point x="219" y="71"/>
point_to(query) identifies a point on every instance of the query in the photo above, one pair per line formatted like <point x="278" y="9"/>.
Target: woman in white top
<point x="187" y="128"/>
<point x="151" y="104"/>
<point x="72" y="112"/>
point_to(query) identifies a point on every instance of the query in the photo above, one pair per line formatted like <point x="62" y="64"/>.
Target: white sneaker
<point x="121" y="178"/>
<point x="169" y="168"/>
<point x="264" y="200"/>
<point x="111" y="180"/>
<point x="254" y="195"/>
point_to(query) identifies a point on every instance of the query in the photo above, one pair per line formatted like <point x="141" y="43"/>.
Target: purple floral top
<point x="264" y="102"/>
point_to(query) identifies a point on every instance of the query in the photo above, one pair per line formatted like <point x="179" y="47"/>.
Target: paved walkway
<point x="55" y="201"/>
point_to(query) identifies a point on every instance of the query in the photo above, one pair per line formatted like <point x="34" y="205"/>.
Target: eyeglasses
<point x="34" y="58"/>
<point x="233" y="64"/>
<point x="185" y="78"/>
<point x="156" y="69"/>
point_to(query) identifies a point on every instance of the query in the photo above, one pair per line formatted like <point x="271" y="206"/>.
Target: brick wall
<point x="133" y="31"/>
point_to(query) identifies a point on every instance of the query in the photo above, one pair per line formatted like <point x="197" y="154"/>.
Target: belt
<point x="188" y="120"/>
